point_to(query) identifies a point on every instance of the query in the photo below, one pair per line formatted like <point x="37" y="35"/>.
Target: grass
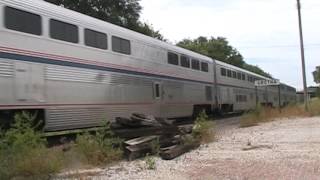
<point x="150" y="162"/>
<point x="24" y="153"/>
<point x="265" y="114"/>
<point x="98" y="149"/>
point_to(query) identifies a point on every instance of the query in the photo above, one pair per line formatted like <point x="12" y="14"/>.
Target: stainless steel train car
<point x="79" y="71"/>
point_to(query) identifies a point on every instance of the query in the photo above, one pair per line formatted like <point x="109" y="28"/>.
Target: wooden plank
<point x="178" y="150"/>
<point x="140" y="140"/>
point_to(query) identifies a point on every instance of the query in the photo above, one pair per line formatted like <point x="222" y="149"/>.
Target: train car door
<point x="22" y="86"/>
<point x="29" y="82"/>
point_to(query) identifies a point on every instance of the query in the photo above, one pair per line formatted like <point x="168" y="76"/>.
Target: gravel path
<point x="284" y="149"/>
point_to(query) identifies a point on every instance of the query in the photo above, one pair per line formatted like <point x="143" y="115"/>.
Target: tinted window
<point x="243" y="77"/>
<point x="195" y="64"/>
<point x="239" y="76"/>
<point x="157" y="90"/>
<point x="95" y="39"/>
<point x="229" y="73"/>
<point x="234" y="74"/>
<point x="121" y="45"/>
<point x="185" y="61"/>
<point x="204" y="67"/>
<point x="63" y="31"/>
<point x="22" y="21"/>
<point x="223" y="71"/>
<point x="173" y="58"/>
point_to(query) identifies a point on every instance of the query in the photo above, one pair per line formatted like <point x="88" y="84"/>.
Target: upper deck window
<point x="184" y="61"/>
<point x="195" y="64"/>
<point x="229" y="74"/>
<point x="121" y="45"/>
<point x="223" y="71"/>
<point x="22" y="21"/>
<point x="95" y="39"/>
<point x="173" y="58"/>
<point x="204" y="67"/>
<point x="243" y="76"/>
<point x="64" y="31"/>
<point x="234" y="75"/>
<point x="239" y="75"/>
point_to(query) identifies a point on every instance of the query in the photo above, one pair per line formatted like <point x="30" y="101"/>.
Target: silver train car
<point x="79" y="71"/>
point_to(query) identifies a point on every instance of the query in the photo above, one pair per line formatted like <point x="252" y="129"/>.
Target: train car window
<point x="184" y="61"/>
<point x="223" y="72"/>
<point x="173" y="58"/>
<point x="22" y="21"/>
<point x="121" y="45"/>
<point x="229" y="73"/>
<point x="64" y="31"/>
<point x="195" y="64"/>
<point x="156" y="87"/>
<point x="95" y="39"/>
<point x="204" y="67"/>
<point x="243" y="76"/>
<point x="234" y="74"/>
<point x="239" y="76"/>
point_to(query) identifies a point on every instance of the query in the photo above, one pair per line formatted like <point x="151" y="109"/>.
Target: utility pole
<point x="302" y="58"/>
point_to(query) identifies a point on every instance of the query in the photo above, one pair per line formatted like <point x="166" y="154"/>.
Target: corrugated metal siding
<point x="72" y="118"/>
<point x="60" y="73"/>
<point x="6" y="68"/>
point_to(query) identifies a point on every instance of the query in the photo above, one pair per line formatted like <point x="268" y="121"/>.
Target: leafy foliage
<point x="125" y="13"/>
<point x="23" y="152"/>
<point x="219" y="48"/>
<point x="316" y="75"/>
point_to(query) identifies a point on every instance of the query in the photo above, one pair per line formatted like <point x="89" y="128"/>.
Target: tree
<point x="219" y="48"/>
<point x="316" y="75"/>
<point x="125" y="13"/>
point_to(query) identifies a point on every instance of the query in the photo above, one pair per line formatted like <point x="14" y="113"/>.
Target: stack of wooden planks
<point x="149" y="135"/>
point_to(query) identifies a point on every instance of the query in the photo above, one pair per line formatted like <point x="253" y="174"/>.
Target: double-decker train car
<point x="237" y="91"/>
<point x="78" y="71"/>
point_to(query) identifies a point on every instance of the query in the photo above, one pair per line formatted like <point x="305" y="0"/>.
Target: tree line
<point x="126" y="13"/>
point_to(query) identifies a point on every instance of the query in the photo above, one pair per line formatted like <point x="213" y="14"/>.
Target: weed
<point x="100" y="148"/>
<point x="314" y="107"/>
<point x="203" y="129"/>
<point x="150" y="162"/>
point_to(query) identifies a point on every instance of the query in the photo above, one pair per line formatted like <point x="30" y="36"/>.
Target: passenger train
<point x="78" y="71"/>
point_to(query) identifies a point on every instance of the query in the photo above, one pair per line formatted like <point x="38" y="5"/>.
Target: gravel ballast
<point x="283" y="149"/>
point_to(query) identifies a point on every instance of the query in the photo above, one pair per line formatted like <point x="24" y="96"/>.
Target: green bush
<point x="203" y="129"/>
<point x="100" y="148"/>
<point x="23" y="152"/>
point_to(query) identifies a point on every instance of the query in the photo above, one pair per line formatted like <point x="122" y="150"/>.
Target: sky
<point x="265" y="32"/>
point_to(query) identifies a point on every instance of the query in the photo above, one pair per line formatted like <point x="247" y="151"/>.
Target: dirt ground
<point x="283" y="149"/>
